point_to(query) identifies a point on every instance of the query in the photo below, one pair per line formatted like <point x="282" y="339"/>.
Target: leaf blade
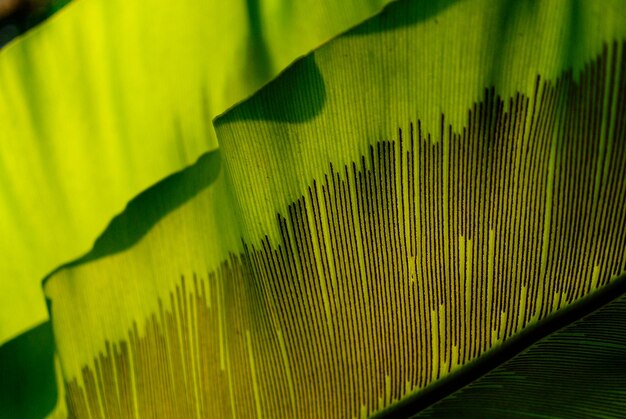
<point x="103" y="100"/>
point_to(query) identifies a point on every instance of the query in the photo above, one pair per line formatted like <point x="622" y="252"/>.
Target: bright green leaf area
<point x="391" y="207"/>
<point x="107" y="97"/>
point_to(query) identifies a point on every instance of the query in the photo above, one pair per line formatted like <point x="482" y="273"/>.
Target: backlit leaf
<point x="397" y="204"/>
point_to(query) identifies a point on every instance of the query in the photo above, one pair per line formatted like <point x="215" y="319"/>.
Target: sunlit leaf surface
<point x="410" y="196"/>
<point x="108" y="97"/>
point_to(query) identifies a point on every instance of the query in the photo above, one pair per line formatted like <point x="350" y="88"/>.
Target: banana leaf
<point x="28" y="388"/>
<point x="19" y="16"/>
<point x="394" y="209"/>
<point x="108" y="97"/>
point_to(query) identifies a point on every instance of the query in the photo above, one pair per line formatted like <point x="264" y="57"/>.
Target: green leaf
<point x="108" y="97"/>
<point x="27" y="384"/>
<point x="393" y="207"/>
<point x="571" y="365"/>
<point x="21" y="16"/>
<point x="577" y="372"/>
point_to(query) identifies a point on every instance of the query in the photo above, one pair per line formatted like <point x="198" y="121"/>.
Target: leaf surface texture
<point x="393" y="206"/>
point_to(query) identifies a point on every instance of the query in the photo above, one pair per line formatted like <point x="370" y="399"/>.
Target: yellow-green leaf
<point x="392" y="207"/>
<point x="108" y="97"/>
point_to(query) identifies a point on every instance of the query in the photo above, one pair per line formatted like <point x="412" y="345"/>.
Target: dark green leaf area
<point x="27" y="385"/>
<point x="577" y="372"/>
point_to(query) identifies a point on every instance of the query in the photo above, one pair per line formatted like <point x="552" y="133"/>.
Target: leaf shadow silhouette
<point x="27" y="379"/>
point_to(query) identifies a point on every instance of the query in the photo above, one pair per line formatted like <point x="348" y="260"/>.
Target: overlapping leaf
<point x="400" y="202"/>
<point x="108" y="97"/>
